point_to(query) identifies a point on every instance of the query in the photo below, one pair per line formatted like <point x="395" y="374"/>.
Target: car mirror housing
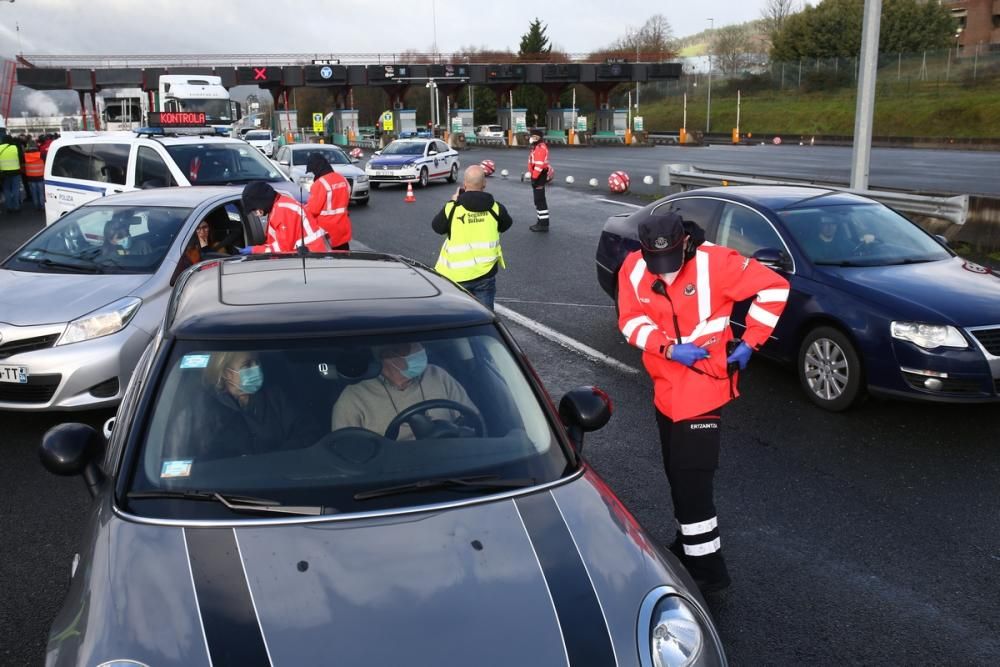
<point x="73" y="449"/>
<point x="583" y="410"/>
<point x="283" y="163"/>
<point x="943" y="239"/>
<point x="432" y="152"/>
<point x="772" y="258"/>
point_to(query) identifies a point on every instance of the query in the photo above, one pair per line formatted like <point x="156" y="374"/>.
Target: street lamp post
<point x="708" y="116"/>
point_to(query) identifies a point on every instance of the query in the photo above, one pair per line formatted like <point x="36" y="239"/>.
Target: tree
<point x="534" y="46"/>
<point x="833" y="29"/>
<point x="774" y="14"/>
<point x="534" y="42"/>
<point x="732" y="47"/>
<point x="654" y="41"/>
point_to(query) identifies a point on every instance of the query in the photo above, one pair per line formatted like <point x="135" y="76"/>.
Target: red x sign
<point x="260" y="74"/>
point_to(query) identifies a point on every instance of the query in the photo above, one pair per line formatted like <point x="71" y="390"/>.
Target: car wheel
<point x="374" y="186"/>
<point x="423" y="178"/>
<point x="830" y="369"/>
<point x="453" y="175"/>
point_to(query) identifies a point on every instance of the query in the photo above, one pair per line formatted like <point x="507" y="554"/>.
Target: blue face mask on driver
<point x="416" y="363"/>
<point x="251" y="379"/>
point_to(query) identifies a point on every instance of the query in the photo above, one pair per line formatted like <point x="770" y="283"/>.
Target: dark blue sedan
<point x="877" y="304"/>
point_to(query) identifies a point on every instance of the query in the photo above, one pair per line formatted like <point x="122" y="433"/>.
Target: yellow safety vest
<point x="8" y="158"/>
<point x="473" y="246"/>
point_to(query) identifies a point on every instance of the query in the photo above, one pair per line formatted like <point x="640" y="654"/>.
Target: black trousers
<point x="690" y="458"/>
<point x="538" y="191"/>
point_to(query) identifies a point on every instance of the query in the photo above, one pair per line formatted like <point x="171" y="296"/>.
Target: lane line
<point x="556" y="303"/>
<point x="620" y="203"/>
<point x="564" y="340"/>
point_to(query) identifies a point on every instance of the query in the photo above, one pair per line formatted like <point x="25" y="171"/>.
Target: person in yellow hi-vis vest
<point x="472" y="223"/>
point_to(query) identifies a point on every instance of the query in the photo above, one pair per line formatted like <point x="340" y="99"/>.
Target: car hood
<point x="28" y="299"/>
<point x="392" y="160"/>
<point x="422" y="589"/>
<point x="950" y="291"/>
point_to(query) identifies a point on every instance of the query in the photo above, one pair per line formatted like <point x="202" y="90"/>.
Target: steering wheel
<point x="424" y="427"/>
<point x="353" y="447"/>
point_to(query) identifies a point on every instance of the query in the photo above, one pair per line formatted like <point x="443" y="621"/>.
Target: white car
<point x="262" y="140"/>
<point x="490" y="132"/>
<point x="292" y="160"/>
<point x="413" y="161"/>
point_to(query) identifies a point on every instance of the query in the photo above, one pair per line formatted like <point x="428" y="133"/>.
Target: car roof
<point x="119" y="137"/>
<point x="782" y="197"/>
<point x="282" y="296"/>
<point x="314" y="146"/>
<point x="180" y="196"/>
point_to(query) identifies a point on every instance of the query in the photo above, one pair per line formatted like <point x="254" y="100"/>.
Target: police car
<point x="413" y="161"/>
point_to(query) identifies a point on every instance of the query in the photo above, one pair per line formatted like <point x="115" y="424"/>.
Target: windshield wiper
<point x="841" y="263"/>
<point x="52" y="264"/>
<point x="473" y="483"/>
<point x="233" y="502"/>
<point x="910" y="260"/>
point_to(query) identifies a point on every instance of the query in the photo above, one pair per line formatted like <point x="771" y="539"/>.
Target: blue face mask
<point x="124" y="243"/>
<point x="251" y="379"/>
<point x="416" y="363"/>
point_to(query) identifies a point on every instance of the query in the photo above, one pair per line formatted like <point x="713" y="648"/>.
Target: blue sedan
<point x="877" y="304"/>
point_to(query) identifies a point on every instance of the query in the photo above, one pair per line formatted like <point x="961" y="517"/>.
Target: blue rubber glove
<point x="687" y="353"/>
<point x="246" y="251"/>
<point x="741" y="355"/>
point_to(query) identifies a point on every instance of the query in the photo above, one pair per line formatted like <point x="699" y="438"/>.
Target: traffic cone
<point x="409" y="193"/>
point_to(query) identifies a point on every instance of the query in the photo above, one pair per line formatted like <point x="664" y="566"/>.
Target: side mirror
<point x="943" y="240"/>
<point x="772" y="258"/>
<point x="429" y="153"/>
<point x="584" y="409"/>
<point x="354" y="160"/>
<point x="283" y="163"/>
<point x="377" y="153"/>
<point x="72" y="449"/>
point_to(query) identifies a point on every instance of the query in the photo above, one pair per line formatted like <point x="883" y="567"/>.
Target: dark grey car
<point x="259" y="503"/>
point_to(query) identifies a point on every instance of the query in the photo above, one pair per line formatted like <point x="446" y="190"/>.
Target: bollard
<point x="736" y="135"/>
<point x="683" y="136"/>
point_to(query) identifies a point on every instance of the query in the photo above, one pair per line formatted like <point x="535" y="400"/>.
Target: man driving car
<point x="405" y="379"/>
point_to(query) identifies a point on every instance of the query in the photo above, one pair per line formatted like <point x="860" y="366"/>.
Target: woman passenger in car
<point x="239" y="413"/>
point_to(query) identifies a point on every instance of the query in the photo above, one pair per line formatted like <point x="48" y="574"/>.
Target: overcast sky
<point x="335" y="26"/>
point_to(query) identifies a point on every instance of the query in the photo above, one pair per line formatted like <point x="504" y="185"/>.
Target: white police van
<point x="82" y="166"/>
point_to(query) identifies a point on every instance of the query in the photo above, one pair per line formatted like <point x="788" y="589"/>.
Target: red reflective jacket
<point x="702" y="298"/>
<point x="327" y="209"/>
<point x="538" y="159"/>
<point x="287" y="225"/>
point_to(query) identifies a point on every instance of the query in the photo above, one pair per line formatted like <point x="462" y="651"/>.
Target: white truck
<point x="122" y="109"/>
<point x="196" y="92"/>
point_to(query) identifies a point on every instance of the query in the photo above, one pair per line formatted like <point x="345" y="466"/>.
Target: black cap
<point x="258" y="195"/>
<point x="318" y="165"/>
<point x="661" y="237"/>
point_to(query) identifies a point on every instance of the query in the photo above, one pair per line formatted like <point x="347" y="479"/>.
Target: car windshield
<point x="860" y="235"/>
<point x="300" y="157"/>
<point x="223" y="163"/>
<point x="404" y="148"/>
<point x="215" y="110"/>
<point x="258" y="136"/>
<point x="102" y="239"/>
<point x="318" y="422"/>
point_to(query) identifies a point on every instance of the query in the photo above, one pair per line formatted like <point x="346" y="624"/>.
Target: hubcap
<point x="826" y="369"/>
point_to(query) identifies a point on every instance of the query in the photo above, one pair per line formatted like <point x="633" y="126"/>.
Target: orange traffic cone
<point x="409" y="193"/>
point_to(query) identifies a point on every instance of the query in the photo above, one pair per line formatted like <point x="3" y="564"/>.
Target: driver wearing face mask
<point x="241" y="413"/>
<point x="405" y="379"/>
<point x="118" y="241"/>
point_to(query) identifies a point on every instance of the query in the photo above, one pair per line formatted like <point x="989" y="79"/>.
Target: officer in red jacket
<point x="327" y="205"/>
<point x="538" y="168"/>
<point x="675" y="296"/>
<point x="288" y="227"/>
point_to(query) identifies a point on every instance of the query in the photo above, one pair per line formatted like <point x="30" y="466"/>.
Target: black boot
<point x="709" y="572"/>
<point x="539" y="227"/>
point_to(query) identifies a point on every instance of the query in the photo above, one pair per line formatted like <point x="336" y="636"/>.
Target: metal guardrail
<point x="954" y="209"/>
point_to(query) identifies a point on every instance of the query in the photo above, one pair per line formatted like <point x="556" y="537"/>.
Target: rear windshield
<point x="258" y="136"/>
<point x="223" y="164"/>
<point x="301" y="156"/>
<point x="102" y="239"/>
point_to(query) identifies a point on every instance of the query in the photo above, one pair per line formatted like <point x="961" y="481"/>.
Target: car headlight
<point x="105" y="321"/>
<point x="929" y="336"/>
<point x="676" y="632"/>
<point x="361" y="178"/>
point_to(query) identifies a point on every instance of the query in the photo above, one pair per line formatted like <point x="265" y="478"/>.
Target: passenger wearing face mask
<point x="404" y="380"/>
<point x="675" y="296"/>
<point x="242" y="414"/>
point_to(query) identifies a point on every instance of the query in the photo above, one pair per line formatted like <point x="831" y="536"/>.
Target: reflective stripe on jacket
<point x="473" y="246"/>
<point x="702" y="297"/>
<point x="538" y="159"/>
<point x="9" y="159"/>
<point x="327" y="208"/>
<point x="34" y="166"/>
<point x="287" y="226"/>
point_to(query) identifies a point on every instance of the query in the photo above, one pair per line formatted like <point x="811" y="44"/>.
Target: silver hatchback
<point x="80" y="301"/>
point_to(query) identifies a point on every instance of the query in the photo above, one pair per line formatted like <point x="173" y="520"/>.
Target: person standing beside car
<point x="675" y="296"/>
<point x="472" y="223"/>
<point x="34" y="173"/>
<point x="328" y="201"/>
<point x="10" y="173"/>
<point x="287" y="223"/>
<point x="538" y="169"/>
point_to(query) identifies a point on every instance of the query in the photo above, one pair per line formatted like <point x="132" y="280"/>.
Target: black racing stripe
<point x="577" y="606"/>
<point x="227" y="611"/>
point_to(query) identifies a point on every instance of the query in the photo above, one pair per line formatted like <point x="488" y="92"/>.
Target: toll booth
<point x="465" y="115"/>
<point x="560" y="119"/>
<point x="406" y="122"/>
<point x="612" y="120"/>
<point x="520" y="119"/>
<point x="341" y="121"/>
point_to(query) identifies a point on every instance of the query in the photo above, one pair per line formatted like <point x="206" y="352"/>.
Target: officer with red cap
<point x="538" y="168"/>
<point x="675" y="296"/>
<point x="288" y="227"/>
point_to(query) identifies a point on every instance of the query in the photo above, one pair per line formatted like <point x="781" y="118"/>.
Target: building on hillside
<point x="978" y="24"/>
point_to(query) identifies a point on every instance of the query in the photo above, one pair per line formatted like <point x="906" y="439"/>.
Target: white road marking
<point x="620" y="203"/>
<point x="564" y="340"/>
<point x="556" y="303"/>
